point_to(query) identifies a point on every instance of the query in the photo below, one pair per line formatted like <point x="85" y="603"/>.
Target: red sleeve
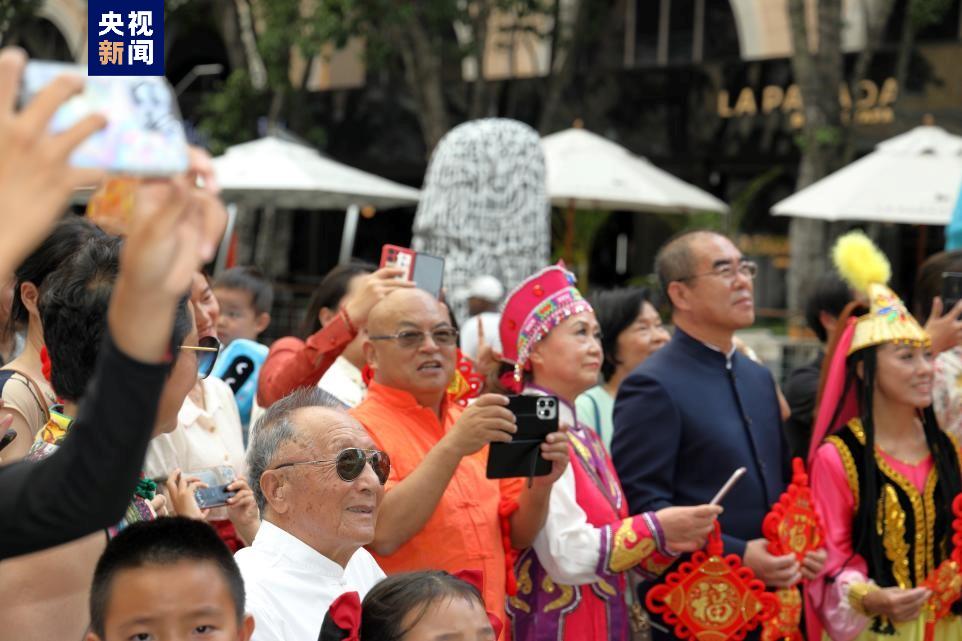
<point x="293" y="363"/>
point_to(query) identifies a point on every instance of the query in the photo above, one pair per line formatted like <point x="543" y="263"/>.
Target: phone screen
<point x="951" y="290"/>
<point x="144" y="134"/>
<point x="429" y="273"/>
<point x="212" y="496"/>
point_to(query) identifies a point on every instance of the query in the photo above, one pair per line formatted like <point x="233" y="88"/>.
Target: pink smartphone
<point x="394" y="256"/>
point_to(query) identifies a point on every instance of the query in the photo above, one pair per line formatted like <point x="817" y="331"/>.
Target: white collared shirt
<point x="290" y="585"/>
<point x="344" y="381"/>
<point x="204" y="438"/>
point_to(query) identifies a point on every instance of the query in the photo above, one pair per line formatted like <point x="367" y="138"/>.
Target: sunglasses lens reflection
<point x="351" y="462"/>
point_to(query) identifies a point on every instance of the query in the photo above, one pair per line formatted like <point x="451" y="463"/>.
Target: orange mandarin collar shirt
<point x="464" y="531"/>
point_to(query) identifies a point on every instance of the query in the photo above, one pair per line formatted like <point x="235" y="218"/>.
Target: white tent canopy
<point x="274" y="172"/>
<point x="586" y="171"/>
<point x="912" y="178"/>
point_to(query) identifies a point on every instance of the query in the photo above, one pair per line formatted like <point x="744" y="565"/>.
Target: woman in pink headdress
<point x="572" y="582"/>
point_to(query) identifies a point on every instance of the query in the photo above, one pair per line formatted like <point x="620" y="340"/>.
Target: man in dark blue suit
<point x="698" y="409"/>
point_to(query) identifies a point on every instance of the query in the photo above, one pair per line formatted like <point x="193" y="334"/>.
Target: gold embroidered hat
<point x="867" y="270"/>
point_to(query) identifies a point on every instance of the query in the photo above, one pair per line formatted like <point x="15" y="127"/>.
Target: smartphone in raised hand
<point x="424" y="270"/>
<point x="144" y="135"/>
<point x="536" y="417"/>
<point x="951" y="290"/>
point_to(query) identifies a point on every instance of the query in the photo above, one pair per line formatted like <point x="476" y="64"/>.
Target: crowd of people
<point x="354" y="459"/>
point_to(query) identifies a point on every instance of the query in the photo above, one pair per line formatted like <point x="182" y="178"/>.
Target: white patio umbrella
<point x="912" y="178"/>
<point x="587" y="171"/>
<point x="273" y="172"/>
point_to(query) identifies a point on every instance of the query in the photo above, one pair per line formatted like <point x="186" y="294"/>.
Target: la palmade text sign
<point x="872" y="105"/>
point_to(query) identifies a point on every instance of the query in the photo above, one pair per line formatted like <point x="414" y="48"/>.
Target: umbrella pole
<point x="350" y="231"/>
<point x="921" y="245"/>
<point x="569" y="234"/>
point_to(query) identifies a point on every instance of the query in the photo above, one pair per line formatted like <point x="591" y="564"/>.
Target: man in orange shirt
<point x="440" y="511"/>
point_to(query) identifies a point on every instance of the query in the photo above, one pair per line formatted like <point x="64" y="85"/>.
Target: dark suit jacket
<point x="687" y="418"/>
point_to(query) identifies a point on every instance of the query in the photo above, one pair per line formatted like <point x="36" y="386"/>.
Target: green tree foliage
<point x="13" y="15"/>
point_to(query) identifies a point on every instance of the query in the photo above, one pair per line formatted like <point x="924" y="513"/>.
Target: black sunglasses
<point x="207" y="350"/>
<point x="349" y="463"/>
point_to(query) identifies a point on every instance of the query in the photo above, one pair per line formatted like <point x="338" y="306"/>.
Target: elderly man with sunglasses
<point x="318" y="482"/>
<point x="698" y="409"/>
<point x="440" y="511"/>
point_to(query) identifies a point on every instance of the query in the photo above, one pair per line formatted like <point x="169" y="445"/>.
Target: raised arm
<point x="292" y="363"/>
<point x="410" y="502"/>
<point x="87" y="483"/>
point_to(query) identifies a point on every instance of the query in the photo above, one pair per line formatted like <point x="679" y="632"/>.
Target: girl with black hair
<point x="414" y="606"/>
<point x="884" y="482"/>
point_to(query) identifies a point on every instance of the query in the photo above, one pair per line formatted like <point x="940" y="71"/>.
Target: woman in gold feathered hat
<point x="885" y="477"/>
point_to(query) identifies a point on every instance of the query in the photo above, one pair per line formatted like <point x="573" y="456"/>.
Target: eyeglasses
<point x="445" y="337"/>
<point x="728" y="271"/>
<point x="349" y="463"/>
<point x="207" y="349"/>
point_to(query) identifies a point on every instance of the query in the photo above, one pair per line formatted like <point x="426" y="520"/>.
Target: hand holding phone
<point x="536" y="417"/>
<point x="424" y="270"/>
<point x="144" y="134"/>
<point x="951" y="290"/>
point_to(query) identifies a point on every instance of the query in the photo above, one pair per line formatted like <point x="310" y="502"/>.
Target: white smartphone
<point x="729" y="484"/>
<point x="144" y="135"/>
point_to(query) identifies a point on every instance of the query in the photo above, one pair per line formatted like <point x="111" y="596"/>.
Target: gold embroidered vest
<point x="914" y="533"/>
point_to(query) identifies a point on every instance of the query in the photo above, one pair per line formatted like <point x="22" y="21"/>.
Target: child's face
<point x="454" y="619"/>
<point x="184" y="601"/>
<point x="238" y="318"/>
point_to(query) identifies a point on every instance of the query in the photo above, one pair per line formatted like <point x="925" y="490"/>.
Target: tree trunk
<point x="255" y="64"/>
<point x="421" y="55"/>
<point x="874" y="33"/>
<point x="819" y="75"/>
<point x="568" y="47"/>
<point x="479" y="88"/>
<point x="906" y="45"/>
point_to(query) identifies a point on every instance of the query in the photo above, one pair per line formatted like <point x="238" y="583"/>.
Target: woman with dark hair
<point x="343" y="379"/>
<point x="27" y="396"/>
<point x="884" y="481"/>
<point x="414" y="606"/>
<point x="631" y="331"/>
<point x="336" y="314"/>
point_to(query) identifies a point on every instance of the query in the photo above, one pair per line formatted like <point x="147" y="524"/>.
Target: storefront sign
<point x="872" y="104"/>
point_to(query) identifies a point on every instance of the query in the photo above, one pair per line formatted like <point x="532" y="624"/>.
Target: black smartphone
<point x="216" y="496"/>
<point x="428" y="273"/>
<point x="537" y="416"/>
<point x="7" y="438"/>
<point x="951" y="290"/>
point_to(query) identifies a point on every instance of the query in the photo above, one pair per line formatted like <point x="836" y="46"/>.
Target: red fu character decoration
<point x="792" y="527"/>
<point x="712" y="597"/>
<point x="945" y="581"/>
